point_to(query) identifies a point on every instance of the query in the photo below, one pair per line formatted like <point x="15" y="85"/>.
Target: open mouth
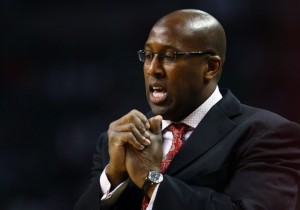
<point x="157" y="94"/>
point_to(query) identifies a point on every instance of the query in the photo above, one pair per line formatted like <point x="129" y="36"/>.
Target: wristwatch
<point x="153" y="177"/>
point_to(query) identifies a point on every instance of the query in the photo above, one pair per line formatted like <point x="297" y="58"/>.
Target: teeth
<point x="157" y="88"/>
<point x="158" y="94"/>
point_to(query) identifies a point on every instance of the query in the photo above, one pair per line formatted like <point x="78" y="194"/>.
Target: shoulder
<point x="240" y="112"/>
<point x="253" y="121"/>
<point x="266" y="119"/>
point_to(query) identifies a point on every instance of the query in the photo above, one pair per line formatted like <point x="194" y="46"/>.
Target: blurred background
<point x="69" y="68"/>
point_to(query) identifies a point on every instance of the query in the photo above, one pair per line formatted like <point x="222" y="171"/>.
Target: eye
<point x="169" y="56"/>
<point x="148" y="55"/>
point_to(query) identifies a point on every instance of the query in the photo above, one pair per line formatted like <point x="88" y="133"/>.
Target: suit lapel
<point x="214" y="126"/>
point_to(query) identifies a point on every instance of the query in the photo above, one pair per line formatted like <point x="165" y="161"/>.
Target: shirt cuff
<point x="150" y="205"/>
<point x="105" y="186"/>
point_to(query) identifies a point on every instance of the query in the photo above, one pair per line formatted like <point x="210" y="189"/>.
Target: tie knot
<point x="178" y="129"/>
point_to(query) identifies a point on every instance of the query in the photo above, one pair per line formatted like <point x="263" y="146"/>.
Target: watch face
<point x="155" y="176"/>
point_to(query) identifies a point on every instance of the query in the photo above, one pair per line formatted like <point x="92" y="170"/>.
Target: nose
<point x="155" y="68"/>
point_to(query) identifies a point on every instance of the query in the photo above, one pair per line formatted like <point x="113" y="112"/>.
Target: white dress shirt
<point x="192" y="120"/>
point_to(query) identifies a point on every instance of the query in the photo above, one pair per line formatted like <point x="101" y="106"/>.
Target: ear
<point x="214" y="67"/>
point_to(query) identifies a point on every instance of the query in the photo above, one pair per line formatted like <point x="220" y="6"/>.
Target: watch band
<point x="147" y="184"/>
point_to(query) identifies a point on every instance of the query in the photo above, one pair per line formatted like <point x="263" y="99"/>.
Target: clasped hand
<point x="135" y="147"/>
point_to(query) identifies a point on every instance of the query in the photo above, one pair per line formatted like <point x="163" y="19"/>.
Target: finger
<point x="123" y="138"/>
<point x="139" y="132"/>
<point x="134" y="122"/>
<point x="130" y="138"/>
<point x="155" y="124"/>
<point x="136" y="138"/>
<point x="140" y="122"/>
<point x="134" y="116"/>
<point x="142" y="117"/>
<point x="142" y="125"/>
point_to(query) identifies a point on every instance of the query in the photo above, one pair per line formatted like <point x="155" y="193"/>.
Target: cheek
<point x="187" y="86"/>
<point x="186" y="78"/>
<point x="145" y="78"/>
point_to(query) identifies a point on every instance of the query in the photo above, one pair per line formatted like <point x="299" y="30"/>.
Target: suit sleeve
<point x="264" y="175"/>
<point x="91" y="198"/>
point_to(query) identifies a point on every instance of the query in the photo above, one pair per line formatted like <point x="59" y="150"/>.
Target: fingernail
<point x="147" y="141"/>
<point x="158" y="117"/>
<point x="147" y="134"/>
<point x="147" y="125"/>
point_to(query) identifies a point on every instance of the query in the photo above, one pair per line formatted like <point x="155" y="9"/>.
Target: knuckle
<point x="111" y="135"/>
<point x="134" y="111"/>
<point x="129" y="137"/>
<point x="112" y="124"/>
<point x="131" y="126"/>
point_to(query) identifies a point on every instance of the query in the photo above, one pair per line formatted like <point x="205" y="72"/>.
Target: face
<point x="174" y="90"/>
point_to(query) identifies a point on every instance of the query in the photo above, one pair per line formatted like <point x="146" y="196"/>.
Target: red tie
<point x="177" y="131"/>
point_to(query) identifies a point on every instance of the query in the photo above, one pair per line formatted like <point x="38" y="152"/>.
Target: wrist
<point x="152" y="180"/>
<point x="115" y="176"/>
<point x="151" y="190"/>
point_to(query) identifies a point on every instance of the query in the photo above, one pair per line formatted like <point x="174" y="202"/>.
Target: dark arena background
<point x="69" y="68"/>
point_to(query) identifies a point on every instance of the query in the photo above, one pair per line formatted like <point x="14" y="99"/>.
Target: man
<point x="232" y="156"/>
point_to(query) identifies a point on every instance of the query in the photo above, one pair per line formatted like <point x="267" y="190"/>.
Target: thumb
<point x="155" y="124"/>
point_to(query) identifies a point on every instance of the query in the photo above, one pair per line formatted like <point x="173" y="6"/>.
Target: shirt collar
<point x="196" y="116"/>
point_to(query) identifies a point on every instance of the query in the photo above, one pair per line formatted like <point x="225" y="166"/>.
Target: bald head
<point x="185" y="51"/>
<point x="202" y="29"/>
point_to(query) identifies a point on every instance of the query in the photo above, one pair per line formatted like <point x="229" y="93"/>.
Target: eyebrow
<point x="165" y="47"/>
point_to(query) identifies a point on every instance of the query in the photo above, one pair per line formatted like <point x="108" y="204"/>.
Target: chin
<point x="166" y="114"/>
<point x="157" y="110"/>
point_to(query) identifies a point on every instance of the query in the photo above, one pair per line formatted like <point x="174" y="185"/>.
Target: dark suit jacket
<point x="238" y="157"/>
